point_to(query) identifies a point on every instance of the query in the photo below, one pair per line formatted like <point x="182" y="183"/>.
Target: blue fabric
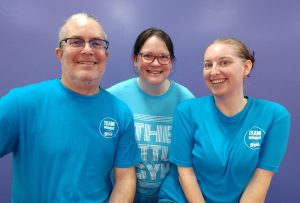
<point x="65" y="144"/>
<point x="225" y="151"/>
<point x="153" y="116"/>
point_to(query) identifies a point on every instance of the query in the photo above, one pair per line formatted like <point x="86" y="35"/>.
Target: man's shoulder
<point x="29" y="96"/>
<point x="34" y="88"/>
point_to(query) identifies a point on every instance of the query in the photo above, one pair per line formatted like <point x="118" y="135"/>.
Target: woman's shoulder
<point x="269" y="105"/>
<point x="178" y="85"/>
<point x="181" y="89"/>
<point x="122" y="85"/>
<point x="190" y="103"/>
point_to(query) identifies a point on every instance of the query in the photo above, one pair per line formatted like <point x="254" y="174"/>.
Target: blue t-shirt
<point x="153" y="117"/>
<point x="225" y="151"/>
<point x="65" y="144"/>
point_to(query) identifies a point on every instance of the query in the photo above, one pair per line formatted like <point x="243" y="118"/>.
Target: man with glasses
<point x="68" y="134"/>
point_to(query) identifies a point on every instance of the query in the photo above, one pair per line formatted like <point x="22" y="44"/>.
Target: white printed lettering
<point x="141" y="173"/>
<point x="153" y="170"/>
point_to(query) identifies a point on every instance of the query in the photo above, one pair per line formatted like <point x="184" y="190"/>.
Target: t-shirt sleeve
<point x="127" y="154"/>
<point x="275" y="142"/>
<point x="188" y="95"/>
<point x="9" y="123"/>
<point x="181" y="139"/>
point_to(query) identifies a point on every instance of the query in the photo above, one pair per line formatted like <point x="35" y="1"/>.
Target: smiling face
<point x="224" y="71"/>
<point x="82" y="66"/>
<point x="153" y="73"/>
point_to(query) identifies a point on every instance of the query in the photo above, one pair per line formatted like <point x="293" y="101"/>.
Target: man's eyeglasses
<point x="80" y="43"/>
<point x="162" y="59"/>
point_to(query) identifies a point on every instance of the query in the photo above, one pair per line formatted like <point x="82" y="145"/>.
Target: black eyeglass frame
<point x="85" y="41"/>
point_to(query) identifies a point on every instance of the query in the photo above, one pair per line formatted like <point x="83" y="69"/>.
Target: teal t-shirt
<point x="153" y="116"/>
<point x="65" y="144"/>
<point x="225" y="151"/>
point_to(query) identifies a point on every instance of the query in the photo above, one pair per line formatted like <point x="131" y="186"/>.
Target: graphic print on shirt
<point x="153" y="135"/>
<point x="108" y="127"/>
<point x="253" y="137"/>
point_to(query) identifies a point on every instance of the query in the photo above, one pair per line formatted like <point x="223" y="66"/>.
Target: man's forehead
<point x="78" y="25"/>
<point x="81" y="21"/>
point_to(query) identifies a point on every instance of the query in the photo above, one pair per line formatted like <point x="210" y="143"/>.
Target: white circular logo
<point x="254" y="137"/>
<point x="108" y="127"/>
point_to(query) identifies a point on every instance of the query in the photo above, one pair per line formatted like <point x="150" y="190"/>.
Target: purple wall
<point x="271" y="28"/>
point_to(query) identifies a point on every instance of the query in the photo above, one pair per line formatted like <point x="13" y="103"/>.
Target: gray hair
<point x="62" y="30"/>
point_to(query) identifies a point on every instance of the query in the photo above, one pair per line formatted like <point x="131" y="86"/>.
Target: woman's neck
<point x="154" y="90"/>
<point x="231" y="106"/>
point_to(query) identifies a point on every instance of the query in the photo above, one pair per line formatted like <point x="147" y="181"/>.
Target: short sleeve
<point x="9" y="124"/>
<point x="127" y="154"/>
<point x="182" y="138"/>
<point x="275" y="142"/>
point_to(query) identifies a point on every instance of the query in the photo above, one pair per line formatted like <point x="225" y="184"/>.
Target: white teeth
<point x="87" y="62"/>
<point x="155" y="72"/>
<point x="217" y="81"/>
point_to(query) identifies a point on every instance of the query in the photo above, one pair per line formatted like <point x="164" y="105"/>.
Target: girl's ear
<point x="134" y="60"/>
<point x="247" y="67"/>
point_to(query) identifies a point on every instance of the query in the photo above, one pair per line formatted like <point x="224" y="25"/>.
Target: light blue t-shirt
<point x="65" y="144"/>
<point x="153" y="117"/>
<point x="225" y="151"/>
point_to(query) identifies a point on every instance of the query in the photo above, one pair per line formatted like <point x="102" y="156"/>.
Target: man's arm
<point x="190" y="185"/>
<point x="125" y="185"/>
<point x="257" y="188"/>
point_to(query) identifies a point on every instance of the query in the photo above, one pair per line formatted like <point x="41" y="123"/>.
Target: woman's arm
<point x="257" y="188"/>
<point x="125" y="185"/>
<point x="190" y="185"/>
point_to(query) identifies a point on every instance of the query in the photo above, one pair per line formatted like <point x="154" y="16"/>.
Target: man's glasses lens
<point x="93" y="43"/>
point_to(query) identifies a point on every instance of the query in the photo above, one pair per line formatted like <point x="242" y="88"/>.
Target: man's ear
<point x="58" y="53"/>
<point x="106" y="54"/>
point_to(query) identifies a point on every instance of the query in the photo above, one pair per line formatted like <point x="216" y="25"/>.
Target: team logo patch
<point x="108" y="127"/>
<point x="253" y="137"/>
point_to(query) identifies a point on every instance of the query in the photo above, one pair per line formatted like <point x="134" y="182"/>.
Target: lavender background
<point x="28" y="38"/>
